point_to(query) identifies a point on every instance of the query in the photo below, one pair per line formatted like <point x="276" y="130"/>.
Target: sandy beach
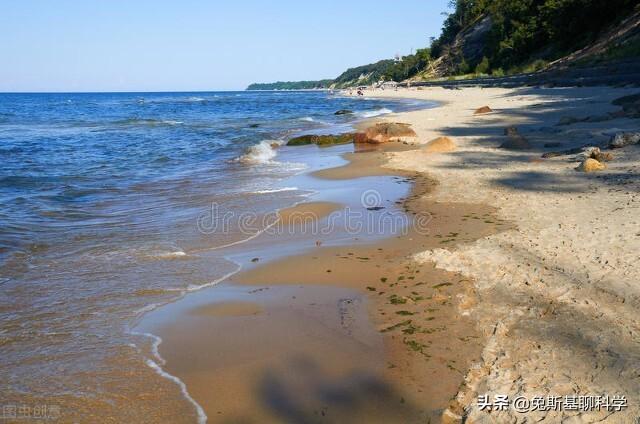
<point x="557" y="294"/>
<point x="522" y="283"/>
<point x="278" y="213"/>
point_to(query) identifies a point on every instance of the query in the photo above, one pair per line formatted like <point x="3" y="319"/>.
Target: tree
<point x="483" y="67"/>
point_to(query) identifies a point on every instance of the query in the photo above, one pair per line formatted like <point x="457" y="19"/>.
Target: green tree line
<point x="523" y="35"/>
<point x="525" y="30"/>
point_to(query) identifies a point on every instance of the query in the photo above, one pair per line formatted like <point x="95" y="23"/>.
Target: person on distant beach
<point x="360" y="93"/>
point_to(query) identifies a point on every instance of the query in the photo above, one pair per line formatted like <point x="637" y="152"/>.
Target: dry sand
<point x="558" y="293"/>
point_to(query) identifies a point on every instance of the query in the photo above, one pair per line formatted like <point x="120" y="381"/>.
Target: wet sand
<point x="308" y="213"/>
<point x="348" y="333"/>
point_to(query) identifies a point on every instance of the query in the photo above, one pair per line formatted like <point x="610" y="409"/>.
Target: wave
<point x="263" y="152"/>
<point x="192" y="99"/>
<point x="275" y="190"/>
<point x="169" y="255"/>
<point x="157" y="363"/>
<point x="377" y="112"/>
<point x="202" y="417"/>
<point x="308" y="119"/>
<point x="150" y="122"/>
<point x="197" y="287"/>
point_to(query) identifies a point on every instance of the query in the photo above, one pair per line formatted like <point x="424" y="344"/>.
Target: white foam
<point x="307" y="119"/>
<point x="154" y="345"/>
<point x="194" y="287"/>
<point x="275" y="190"/>
<point x="202" y="417"/>
<point x="157" y="367"/>
<point x="156" y="364"/>
<point x="171" y="255"/>
<point x="263" y="152"/>
<point x="148" y="308"/>
<point x="378" y="112"/>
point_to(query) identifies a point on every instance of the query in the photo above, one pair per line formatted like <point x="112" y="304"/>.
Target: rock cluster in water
<point x="321" y="140"/>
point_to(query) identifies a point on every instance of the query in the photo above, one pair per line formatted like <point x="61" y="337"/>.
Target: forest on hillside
<point x="526" y="30"/>
<point x="517" y="36"/>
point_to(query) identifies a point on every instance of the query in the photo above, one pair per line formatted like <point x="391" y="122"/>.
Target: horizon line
<point x="120" y="91"/>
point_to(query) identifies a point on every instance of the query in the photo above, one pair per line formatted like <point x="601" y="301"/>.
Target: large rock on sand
<point x="321" y="140"/>
<point x="482" y="110"/>
<point x="515" y="141"/>
<point x="383" y="132"/>
<point x="440" y="145"/>
<point x="624" y="139"/>
<point x="590" y="165"/>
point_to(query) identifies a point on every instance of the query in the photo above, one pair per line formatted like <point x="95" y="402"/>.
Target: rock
<point x="626" y="100"/>
<point x="440" y="145"/>
<point x="568" y="120"/>
<point x="361" y="138"/>
<point x="624" y="139"/>
<point x="574" y="151"/>
<point x="630" y="105"/>
<point x="585" y="152"/>
<point x="590" y="165"/>
<point x="483" y="110"/>
<point x="599" y="118"/>
<point x="344" y="112"/>
<point x="602" y="157"/>
<point x="510" y="130"/>
<point x="515" y="141"/>
<point x="519" y="143"/>
<point x="595" y="153"/>
<point x="588" y="152"/>
<point x="549" y="130"/>
<point x="321" y="140"/>
<point x="550" y="155"/>
<point x="383" y="132"/>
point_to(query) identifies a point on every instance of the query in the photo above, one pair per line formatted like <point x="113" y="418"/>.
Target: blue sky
<point x="143" y="45"/>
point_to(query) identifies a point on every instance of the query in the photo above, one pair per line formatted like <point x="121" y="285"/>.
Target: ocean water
<point x="102" y="203"/>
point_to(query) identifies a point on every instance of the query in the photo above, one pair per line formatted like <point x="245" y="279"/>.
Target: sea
<point x="106" y="201"/>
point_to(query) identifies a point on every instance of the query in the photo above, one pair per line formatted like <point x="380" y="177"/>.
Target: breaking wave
<point x="275" y="190"/>
<point x="377" y="112"/>
<point x="263" y="152"/>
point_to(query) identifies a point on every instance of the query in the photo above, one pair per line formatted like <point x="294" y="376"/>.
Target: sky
<point x="198" y="45"/>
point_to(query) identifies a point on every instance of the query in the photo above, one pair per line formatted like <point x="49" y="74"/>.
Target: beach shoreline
<point x="436" y="320"/>
<point x="557" y="292"/>
<point x="374" y="288"/>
